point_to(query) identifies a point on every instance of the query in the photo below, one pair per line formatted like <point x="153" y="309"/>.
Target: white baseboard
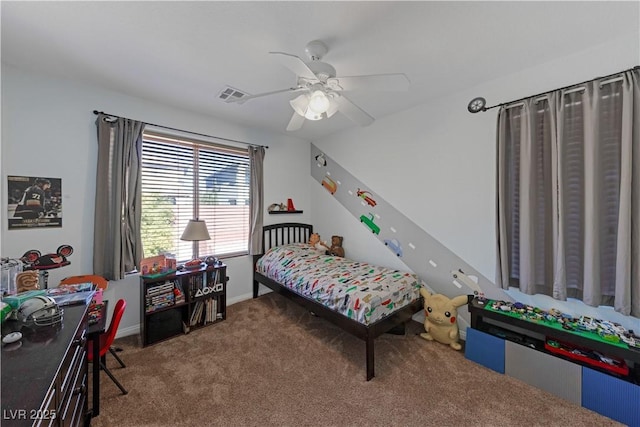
<point x="125" y="332"/>
<point x="239" y="298"/>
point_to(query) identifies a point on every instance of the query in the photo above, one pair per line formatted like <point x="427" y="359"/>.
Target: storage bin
<point x="9" y="269"/>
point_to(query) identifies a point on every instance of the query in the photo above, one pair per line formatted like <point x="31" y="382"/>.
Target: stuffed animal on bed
<point x="314" y="241"/>
<point x="336" y="248"/>
<point x="441" y="317"/>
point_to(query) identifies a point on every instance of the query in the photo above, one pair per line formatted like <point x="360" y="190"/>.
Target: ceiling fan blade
<point x="248" y="97"/>
<point x="380" y="82"/>
<point x="296" y="122"/>
<point x="353" y="112"/>
<point x="295" y="64"/>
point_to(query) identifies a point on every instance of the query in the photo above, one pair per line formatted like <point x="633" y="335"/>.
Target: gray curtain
<point x="627" y="289"/>
<point x="568" y="194"/>
<point x="117" y="248"/>
<point x="256" y="157"/>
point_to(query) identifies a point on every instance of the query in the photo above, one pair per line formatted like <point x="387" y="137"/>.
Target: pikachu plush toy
<point x="441" y="321"/>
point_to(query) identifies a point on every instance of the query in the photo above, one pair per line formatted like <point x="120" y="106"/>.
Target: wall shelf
<point x="284" y="212"/>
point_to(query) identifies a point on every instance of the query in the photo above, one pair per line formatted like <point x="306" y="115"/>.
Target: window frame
<point x="197" y="188"/>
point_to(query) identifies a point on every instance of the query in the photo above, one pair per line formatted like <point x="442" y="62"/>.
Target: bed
<point x="362" y="299"/>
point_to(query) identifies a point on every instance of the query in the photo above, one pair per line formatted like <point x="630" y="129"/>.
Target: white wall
<point x="48" y="129"/>
<point x="436" y="163"/>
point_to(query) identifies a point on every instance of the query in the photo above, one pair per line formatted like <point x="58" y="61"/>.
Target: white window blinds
<point x="183" y="179"/>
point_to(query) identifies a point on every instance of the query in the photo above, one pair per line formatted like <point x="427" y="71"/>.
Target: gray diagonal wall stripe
<point x="433" y="262"/>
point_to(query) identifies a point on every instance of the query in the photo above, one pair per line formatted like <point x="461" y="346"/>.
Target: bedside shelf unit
<point x="181" y="302"/>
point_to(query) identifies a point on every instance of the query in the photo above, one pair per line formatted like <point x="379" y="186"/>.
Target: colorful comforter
<point x="358" y="290"/>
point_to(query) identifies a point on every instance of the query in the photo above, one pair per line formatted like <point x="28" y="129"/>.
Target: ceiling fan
<point x="322" y="91"/>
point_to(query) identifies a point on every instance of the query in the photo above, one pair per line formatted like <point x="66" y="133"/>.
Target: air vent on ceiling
<point x="230" y="94"/>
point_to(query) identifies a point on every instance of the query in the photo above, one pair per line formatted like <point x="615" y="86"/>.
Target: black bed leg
<point x="256" y="287"/>
<point x="370" y="362"/>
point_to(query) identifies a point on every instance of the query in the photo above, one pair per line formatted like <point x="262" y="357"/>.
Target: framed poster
<point x="34" y="202"/>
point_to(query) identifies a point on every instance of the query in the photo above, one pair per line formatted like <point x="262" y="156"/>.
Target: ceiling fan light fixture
<point x="300" y="104"/>
<point x="310" y="115"/>
<point x="319" y="103"/>
<point x="333" y="107"/>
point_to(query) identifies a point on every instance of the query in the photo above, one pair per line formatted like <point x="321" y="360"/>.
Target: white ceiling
<point x="184" y="53"/>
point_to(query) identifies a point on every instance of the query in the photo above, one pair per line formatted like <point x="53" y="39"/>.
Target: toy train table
<point x="597" y="342"/>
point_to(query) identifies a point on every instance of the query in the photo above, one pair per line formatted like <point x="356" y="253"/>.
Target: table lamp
<point x="195" y="231"/>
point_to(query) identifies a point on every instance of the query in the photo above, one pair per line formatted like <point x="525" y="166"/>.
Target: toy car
<point x="394" y="245"/>
<point x="34" y="260"/>
<point x="329" y="184"/>
<point x="366" y="196"/>
<point x="368" y="221"/>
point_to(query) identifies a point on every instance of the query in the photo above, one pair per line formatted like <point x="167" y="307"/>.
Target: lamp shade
<point x="196" y="230"/>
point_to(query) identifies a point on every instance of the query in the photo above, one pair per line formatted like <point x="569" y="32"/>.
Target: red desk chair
<point x="106" y="340"/>
<point x="100" y="283"/>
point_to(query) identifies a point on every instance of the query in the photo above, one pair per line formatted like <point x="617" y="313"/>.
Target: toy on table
<point x="94" y="314"/>
<point x="589" y="327"/>
<point x="27" y="281"/>
<point x="441" y="317"/>
<point x="35" y="260"/>
<point x="158" y="266"/>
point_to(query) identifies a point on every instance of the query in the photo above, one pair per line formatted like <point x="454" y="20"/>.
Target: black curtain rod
<point x="476" y="108"/>
<point x="96" y="112"/>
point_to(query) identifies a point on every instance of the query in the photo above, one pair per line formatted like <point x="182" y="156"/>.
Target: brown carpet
<point x="271" y="363"/>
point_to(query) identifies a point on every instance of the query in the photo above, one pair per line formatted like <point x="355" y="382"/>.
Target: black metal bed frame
<point x="291" y="232"/>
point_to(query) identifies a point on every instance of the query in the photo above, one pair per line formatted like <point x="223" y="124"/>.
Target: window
<point x="562" y="229"/>
<point x="183" y="179"/>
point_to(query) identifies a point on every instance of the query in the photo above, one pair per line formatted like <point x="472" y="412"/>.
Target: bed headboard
<point x="285" y="233"/>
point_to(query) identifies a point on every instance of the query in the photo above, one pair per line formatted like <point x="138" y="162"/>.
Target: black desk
<point x="32" y="366"/>
<point x="93" y="333"/>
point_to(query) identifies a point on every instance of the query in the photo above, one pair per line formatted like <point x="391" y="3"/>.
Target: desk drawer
<point x="74" y="358"/>
<point x="48" y="411"/>
<point x="71" y="414"/>
<point x="73" y="388"/>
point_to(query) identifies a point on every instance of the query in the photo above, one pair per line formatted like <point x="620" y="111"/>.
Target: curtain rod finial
<point x="476" y="104"/>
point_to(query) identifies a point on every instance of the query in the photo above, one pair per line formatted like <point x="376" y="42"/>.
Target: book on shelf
<point x="160" y="298"/>
<point x="204" y="312"/>
<point x="214" y="278"/>
<point x="195" y="314"/>
<point x="210" y="311"/>
<point x="160" y="287"/>
<point x="197" y="284"/>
